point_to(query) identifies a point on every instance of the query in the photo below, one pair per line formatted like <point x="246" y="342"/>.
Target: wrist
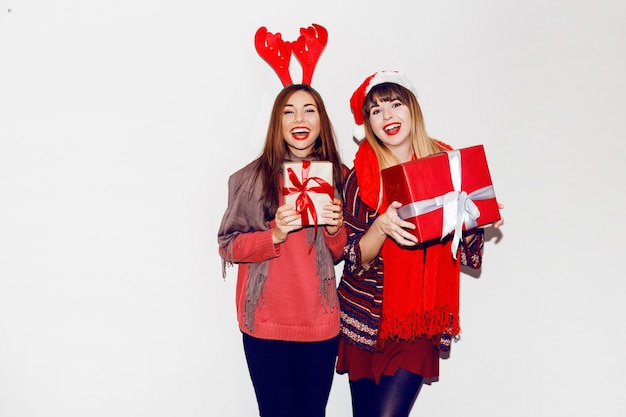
<point x="278" y="237"/>
<point x="378" y="228"/>
<point x="333" y="230"/>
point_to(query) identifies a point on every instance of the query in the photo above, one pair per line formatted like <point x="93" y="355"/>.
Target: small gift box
<point x="443" y="193"/>
<point x="308" y="185"/>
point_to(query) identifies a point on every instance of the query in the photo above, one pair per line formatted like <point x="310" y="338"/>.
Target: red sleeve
<point x="472" y="251"/>
<point x="251" y="247"/>
<point x="336" y="243"/>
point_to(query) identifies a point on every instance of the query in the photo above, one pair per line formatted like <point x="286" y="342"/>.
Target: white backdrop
<point x="120" y="122"/>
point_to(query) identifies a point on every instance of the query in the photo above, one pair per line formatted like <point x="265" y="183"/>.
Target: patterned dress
<point x="362" y="353"/>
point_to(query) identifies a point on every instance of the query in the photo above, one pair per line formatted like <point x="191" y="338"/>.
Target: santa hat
<point x="356" y="101"/>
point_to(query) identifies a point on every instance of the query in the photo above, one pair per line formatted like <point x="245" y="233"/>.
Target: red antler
<point x="275" y="51"/>
<point x="308" y="48"/>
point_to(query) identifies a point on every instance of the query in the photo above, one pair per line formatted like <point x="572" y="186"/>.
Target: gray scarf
<point x="244" y="214"/>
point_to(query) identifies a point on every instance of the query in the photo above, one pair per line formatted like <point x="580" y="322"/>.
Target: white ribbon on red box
<point x="458" y="206"/>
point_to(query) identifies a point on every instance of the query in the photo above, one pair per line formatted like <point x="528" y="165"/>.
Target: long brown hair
<point x="422" y="144"/>
<point x="275" y="150"/>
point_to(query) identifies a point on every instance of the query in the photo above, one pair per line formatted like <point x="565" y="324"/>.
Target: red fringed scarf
<point x="420" y="285"/>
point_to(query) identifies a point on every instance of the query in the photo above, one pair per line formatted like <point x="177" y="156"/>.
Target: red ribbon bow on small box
<point x="304" y="204"/>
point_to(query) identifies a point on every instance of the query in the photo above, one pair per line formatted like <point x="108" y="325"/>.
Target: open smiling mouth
<point x="392" y="129"/>
<point x="300" y="133"/>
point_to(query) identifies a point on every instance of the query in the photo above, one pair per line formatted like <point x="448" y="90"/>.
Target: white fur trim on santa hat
<point x="395" y="77"/>
<point x="359" y="132"/>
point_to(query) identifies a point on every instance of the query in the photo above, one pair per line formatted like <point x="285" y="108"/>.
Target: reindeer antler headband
<point x="307" y="49"/>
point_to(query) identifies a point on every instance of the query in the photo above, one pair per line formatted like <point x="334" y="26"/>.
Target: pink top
<point x="291" y="307"/>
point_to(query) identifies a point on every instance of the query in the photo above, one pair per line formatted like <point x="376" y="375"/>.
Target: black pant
<point x="392" y="397"/>
<point x="291" y="379"/>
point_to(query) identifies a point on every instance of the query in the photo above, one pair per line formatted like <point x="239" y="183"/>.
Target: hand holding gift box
<point x="443" y="193"/>
<point x="308" y="186"/>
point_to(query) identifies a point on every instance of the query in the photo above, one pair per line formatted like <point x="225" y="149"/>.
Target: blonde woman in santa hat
<point x="399" y="297"/>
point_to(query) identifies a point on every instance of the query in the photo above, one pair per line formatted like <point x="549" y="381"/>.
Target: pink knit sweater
<point x="291" y="306"/>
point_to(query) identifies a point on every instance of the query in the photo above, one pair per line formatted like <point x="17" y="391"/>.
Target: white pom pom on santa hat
<point x="356" y="101"/>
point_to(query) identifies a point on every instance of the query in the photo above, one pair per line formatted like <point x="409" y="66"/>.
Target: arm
<point x="357" y="218"/>
<point x="334" y="233"/>
<point x="336" y="242"/>
<point x="250" y="247"/>
<point x="473" y="243"/>
<point x="472" y="248"/>
<point x="364" y="241"/>
<point x="244" y="235"/>
<point x="388" y="224"/>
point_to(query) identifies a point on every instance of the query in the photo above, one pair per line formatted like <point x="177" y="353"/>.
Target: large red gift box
<point x="308" y="185"/>
<point x="443" y="193"/>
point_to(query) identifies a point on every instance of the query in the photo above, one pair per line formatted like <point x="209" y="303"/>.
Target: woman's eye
<point x="397" y="103"/>
<point x="374" y="111"/>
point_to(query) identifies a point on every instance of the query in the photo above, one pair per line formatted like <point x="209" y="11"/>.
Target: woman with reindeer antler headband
<point x="287" y="305"/>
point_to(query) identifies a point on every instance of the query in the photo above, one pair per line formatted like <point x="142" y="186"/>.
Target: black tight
<point x="291" y="379"/>
<point x="392" y="397"/>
